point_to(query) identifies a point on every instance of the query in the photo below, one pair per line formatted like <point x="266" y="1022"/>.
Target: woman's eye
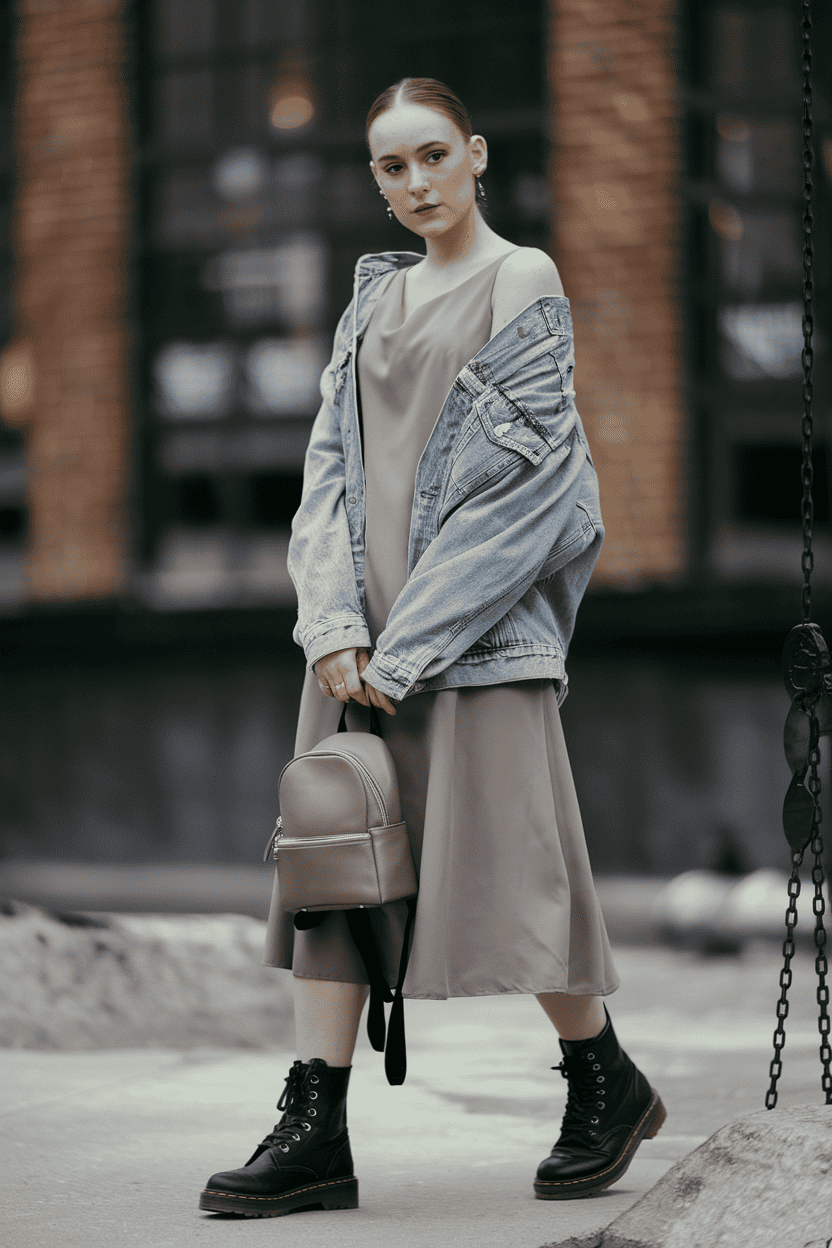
<point x="438" y="155"/>
<point x="394" y="168"/>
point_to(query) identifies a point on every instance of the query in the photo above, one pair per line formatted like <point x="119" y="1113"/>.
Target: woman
<point x="448" y="526"/>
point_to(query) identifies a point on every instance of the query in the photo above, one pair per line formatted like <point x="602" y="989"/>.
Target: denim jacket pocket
<point x="506" y="426"/>
<point x="497" y="438"/>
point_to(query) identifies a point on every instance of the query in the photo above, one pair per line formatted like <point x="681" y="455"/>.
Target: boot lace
<point x="584" y="1100"/>
<point x="294" y="1101"/>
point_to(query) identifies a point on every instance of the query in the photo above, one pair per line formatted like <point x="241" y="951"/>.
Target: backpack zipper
<point x="324" y="838"/>
<point x="312" y="842"/>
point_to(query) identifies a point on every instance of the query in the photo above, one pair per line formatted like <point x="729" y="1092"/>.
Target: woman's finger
<point x="379" y="699"/>
<point x="355" y="689"/>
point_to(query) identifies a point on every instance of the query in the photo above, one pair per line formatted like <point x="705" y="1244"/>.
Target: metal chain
<point x="818" y="907"/>
<point x="807" y="560"/>
<point x="775" y="1070"/>
<point x="807" y="563"/>
<point x="807" y="508"/>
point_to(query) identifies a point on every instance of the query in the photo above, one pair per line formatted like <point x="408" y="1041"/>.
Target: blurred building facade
<point x="184" y="191"/>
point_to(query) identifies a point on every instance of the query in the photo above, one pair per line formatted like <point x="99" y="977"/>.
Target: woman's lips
<point x="426" y="208"/>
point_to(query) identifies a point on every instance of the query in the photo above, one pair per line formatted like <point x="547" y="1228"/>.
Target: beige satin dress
<point x="506" y="897"/>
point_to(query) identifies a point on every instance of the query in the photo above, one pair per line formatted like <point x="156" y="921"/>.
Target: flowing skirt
<point x="506" y="897"/>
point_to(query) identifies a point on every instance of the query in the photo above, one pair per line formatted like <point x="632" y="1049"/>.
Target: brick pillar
<point x="615" y="169"/>
<point x="71" y="237"/>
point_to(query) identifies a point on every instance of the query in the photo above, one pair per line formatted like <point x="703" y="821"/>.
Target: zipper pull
<point x="272" y="847"/>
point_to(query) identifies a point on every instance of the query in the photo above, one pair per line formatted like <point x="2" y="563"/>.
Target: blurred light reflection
<point x="194" y="380"/>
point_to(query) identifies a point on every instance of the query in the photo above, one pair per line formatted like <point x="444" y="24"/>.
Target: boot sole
<point x="647" y="1126"/>
<point x="331" y="1194"/>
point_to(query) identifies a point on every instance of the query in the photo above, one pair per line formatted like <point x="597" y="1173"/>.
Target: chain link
<point x="807" y="472"/>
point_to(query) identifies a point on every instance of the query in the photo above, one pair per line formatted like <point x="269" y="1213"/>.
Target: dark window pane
<point x="198" y="501"/>
<point x="185" y="210"/>
<point x="754" y="49"/>
<point x="12" y="523"/>
<point x="760" y="156"/>
<point x="767" y="484"/>
<point x="758" y="251"/>
<point x="257" y="23"/>
<point x="184" y="27"/>
<point x="242" y="104"/>
<point x="275" y="497"/>
<point x="184" y="110"/>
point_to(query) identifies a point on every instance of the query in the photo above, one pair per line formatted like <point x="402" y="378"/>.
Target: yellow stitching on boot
<point x="590" y="1178"/>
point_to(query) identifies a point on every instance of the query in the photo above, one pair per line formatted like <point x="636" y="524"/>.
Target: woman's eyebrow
<point x="420" y="148"/>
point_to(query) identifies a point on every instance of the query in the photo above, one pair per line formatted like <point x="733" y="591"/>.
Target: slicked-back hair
<point x="430" y="93"/>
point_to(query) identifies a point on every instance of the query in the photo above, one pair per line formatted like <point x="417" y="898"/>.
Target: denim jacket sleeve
<point x="522" y="526"/>
<point x="320" y="559"/>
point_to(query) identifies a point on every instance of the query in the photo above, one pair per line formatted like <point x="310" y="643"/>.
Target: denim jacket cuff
<point x="394" y="684"/>
<point x="339" y="632"/>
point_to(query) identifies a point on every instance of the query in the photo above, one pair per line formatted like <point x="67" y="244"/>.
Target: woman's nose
<point x="418" y="179"/>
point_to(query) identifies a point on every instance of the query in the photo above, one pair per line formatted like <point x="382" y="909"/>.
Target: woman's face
<point x="425" y="167"/>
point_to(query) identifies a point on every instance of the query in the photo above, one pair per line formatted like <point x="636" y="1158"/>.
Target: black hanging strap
<point x="375" y="722"/>
<point x="395" y="1057"/>
<point x="361" y="931"/>
<point x="395" y="1052"/>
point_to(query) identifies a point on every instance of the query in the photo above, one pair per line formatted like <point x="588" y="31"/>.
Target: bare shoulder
<point x="525" y="275"/>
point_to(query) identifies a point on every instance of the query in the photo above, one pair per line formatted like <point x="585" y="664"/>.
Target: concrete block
<point x="764" y="1181"/>
<point x="94" y="982"/>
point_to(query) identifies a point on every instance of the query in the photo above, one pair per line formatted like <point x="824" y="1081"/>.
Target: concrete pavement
<point x="114" y="1146"/>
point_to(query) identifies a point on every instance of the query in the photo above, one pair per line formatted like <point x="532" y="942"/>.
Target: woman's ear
<point x="478" y="148"/>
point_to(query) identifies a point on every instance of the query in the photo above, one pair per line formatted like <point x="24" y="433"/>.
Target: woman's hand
<point x="339" y="676"/>
<point x="377" y="698"/>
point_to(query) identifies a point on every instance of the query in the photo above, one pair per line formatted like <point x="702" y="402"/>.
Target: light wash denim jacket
<point x="506" y="524"/>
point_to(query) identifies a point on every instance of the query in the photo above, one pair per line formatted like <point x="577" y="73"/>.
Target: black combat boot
<point x="610" y="1109"/>
<point x="305" y="1162"/>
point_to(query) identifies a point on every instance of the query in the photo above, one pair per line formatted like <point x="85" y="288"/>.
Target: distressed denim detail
<point x="506" y="524"/>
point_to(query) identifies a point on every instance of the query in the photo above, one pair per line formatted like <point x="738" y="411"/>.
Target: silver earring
<point x="480" y="191"/>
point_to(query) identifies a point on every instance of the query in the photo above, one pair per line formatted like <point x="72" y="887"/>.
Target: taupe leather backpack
<point x="341" y="844"/>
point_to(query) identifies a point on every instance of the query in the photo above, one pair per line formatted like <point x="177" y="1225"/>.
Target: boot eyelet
<point x="314" y="1079"/>
<point x="284" y="1148"/>
<point x="600" y="1105"/>
<point x="593" y="1134"/>
<point x="597" y="1066"/>
<point x="595" y="1121"/>
<point x="313" y="1096"/>
<point x="306" y="1126"/>
<point x="599" y="1079"/>
<point x="311" y="1111"/>
<point x="590" y="1057"/>
<point x="295" y="1137"/>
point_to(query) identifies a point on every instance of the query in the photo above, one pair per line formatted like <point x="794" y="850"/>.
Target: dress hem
<point x="486" y="992"/>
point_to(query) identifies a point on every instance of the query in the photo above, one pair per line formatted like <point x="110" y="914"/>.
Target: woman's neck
<point x="465" y="245"/>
